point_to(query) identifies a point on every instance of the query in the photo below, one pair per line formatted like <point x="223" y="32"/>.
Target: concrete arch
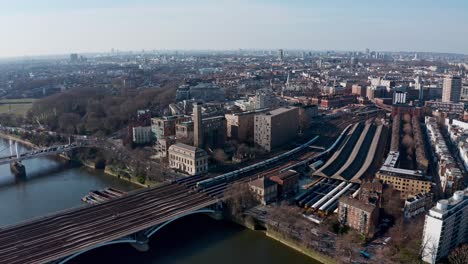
<point x="203" y="211"/>
<point x="130" y="241"/>
<point x="65" y="260"/>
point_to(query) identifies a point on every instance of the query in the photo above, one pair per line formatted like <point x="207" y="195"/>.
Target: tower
<point x="451" y="91"/>
<point x="419" y="86"/>
<point x="197" y="125"/>
<point x="280" y="54"/>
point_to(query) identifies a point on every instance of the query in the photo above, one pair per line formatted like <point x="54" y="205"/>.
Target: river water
<point x="51" y="185"/>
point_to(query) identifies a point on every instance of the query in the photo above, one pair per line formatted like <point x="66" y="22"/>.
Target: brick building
<point x="264" y="189"/>
<point x="165" y="126"/>
<point x="287" y="183"/>
<point x="213" y="132"/>
<point x="362" y="213"/>
<point x="240" y="126"/>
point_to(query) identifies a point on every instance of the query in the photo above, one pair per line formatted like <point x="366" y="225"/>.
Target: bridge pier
<point x="141" y="242"/>
<point x="141" y="246"/>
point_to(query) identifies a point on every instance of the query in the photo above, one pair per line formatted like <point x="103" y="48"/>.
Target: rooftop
<point x="446" y="207"/>
<point x="365" y="206"/>
<point x="262" y="183"/>
<point x="279" y="111"/>
<point x="185" y="146"/>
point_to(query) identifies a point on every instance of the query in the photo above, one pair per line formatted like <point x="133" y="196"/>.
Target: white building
<point x="417" y="204"/>
<point x="399" y="97"/>
<point x="446" y="227"/>
<point x="263" y="99"/>
<point x="188" y="159"/>
<point x="142" y="134"/>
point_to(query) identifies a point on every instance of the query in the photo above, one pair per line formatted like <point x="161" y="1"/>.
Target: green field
<point x="15" y="106"/>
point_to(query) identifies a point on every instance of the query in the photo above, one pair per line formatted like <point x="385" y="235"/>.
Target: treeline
<point x="97" y="111"/>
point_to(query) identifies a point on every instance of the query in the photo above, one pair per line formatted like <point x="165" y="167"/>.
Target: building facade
<point x="264" y="189"/>
<point x="408" y="184"/>
<point x="275" y="128"/>
<point x="163" y="144"/>
<point x="142" y="134"/>
<point x="165" y="126"/>
<point x="359" y="90"/>
<point x="362" y="212"/>
<point x="446" y="107"/>
<point x="240" y="126"/>
<point x="445" y="227"/>
<point x="417" y="204"/>
<point x="188" y="159"/>
<point x="213" y="133"/>
<point x="358" y="215"/>
<point x="451" y="91"/>
<point x="287" y="183"/>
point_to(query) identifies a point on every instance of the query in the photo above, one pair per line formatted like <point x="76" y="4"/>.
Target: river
<point x="51" y="185"/>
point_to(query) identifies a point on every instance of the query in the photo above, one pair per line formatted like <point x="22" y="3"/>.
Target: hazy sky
<point x="33" y="27"/>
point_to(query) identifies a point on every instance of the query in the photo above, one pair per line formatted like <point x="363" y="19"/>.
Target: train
<point x="231" y="176"/>
<point x="235" y="174"/>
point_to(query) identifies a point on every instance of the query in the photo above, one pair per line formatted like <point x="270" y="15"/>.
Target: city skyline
<point x="63" y="27"/>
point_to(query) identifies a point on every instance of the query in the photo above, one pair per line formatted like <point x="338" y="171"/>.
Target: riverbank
<point x="296" y="246"/>
<point x="111" y="172"/>
<point x="317" y="256"/>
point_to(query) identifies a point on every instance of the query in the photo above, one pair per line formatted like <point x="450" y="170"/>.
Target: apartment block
<point x="240" y="126"/>
<point x="165" y="126"/>
<point x="445" y="227"/>
<point x="277" y="127"/>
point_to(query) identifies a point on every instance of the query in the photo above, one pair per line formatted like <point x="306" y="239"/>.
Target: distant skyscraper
<point x="451" y="91"/>
<point x="419" y="86"/>
<point x="73" y="57"/>
<point x="281" y="54"/>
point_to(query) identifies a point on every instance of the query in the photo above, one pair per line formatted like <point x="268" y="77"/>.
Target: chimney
<point x="197" y="125"/>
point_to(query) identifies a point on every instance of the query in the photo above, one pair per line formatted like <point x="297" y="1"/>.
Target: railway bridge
<point x="132" y="218"/>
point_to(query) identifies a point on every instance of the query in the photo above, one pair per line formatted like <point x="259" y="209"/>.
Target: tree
<point x="459" y="255"/>
<point x="346" y="246"/>
<point x="239" y="198"/>
<point x="392" y="203"/>
<point x="220" y="156"/>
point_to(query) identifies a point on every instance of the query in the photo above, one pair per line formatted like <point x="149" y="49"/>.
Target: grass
<point x="17" y="101"/>
<point x="18" y="107"/>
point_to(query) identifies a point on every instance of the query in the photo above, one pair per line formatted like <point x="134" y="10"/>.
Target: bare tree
<point x="392" y="203"/>
<point x="220" y="156"/>
<point x="239" y="198"/>
<point x="346" y="247"/>
<point x="459" y="255"/>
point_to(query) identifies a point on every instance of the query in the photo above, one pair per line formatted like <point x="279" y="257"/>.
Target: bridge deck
<point x="56" y="236"/>
<point x="40" y="152"/>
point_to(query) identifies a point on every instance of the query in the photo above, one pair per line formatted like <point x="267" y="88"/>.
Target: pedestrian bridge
<point x="15" y="155"/>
